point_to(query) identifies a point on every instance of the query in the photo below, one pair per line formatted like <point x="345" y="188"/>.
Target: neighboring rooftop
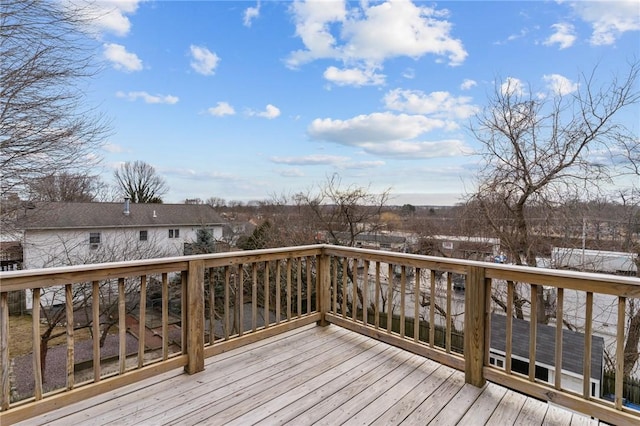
<point x="59" y="215"/>
<point x="572" y="343"/>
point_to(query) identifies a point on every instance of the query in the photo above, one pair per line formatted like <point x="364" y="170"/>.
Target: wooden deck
<point x="313" y="375"/>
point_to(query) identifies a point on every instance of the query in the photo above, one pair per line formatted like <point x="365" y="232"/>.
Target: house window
<point x="143" y="235"/>
<point x="174" y="233"/>
<point x="94" y="238"/>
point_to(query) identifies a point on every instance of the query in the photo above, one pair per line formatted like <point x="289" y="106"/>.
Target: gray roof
<point x="58" y="215"/>
<point x="572" y="345"/>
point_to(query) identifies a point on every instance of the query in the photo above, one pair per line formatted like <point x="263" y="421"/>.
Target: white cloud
<point x="203" y="60"/>
<point x="438" y="104"/>
<point x="270" y="112"/>
<point x="250" y="14"/>
<point x="112" y="148"/>
<point x="609" y="19"/>
<point x="559" y="84"/>
<point x="417" y="150"/>
<point x="120" y="58"/>
<point x="564" y="36"/>
<point x="292" y="172"/>
<point x="108" y="16"/>
<point x="310" y="160"/>
<point x="372" y="128"/>
<point x="353" y="77"/>
<point x="147" y="98"/>
<point x="372" y="33"/>
<point x="468" y="84"/>
<point x="221" y="109"/>
<point x="512" y="87"/>
<point x="327" y="160"/>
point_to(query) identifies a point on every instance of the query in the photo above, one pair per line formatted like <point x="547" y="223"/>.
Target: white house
<point x="59" y="234"/>
<point x="608" y="262"/>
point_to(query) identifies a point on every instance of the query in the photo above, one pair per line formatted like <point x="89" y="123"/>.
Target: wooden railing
<point x="182" y="310"/>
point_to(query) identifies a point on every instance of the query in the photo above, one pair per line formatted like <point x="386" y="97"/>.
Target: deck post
<point x="474" y="326"/>
<point x="324" y="287"/>
<point x="195" y="317"/>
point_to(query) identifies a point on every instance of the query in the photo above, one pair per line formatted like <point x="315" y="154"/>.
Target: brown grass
<point x="21" y="335"/>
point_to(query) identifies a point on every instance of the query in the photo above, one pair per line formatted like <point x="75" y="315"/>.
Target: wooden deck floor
<point x="313" y="375"/>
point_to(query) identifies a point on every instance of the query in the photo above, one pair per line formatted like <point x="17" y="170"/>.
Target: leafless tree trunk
<point x="140" y="182"/>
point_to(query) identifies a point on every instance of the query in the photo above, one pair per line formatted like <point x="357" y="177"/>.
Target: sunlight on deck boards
<point x="313" y="375"/>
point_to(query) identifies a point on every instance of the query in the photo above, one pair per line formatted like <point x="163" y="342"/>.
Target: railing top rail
<point x="587" y="281"/>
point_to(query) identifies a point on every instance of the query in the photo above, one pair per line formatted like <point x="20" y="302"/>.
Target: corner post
<point x="474" y="326"/>
<point x="195" y="317"/>
<point x="324" y="287"/>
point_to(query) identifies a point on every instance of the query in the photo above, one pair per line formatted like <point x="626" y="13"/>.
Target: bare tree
<point x="344" y="212"/>
<point x="140" y="182"/>
<point x="68" y="187"/>
<point x="540" y="152"/>
<point x="45" y="125"/>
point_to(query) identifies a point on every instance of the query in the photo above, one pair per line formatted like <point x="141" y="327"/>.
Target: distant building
<point x="572" y="357"/>
<point x="608" y="262"/>
<point x="462" y="247"/>
<point x="10" y="255"/>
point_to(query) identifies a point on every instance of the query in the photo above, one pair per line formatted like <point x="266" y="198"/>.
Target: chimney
<point x="127" y="204"/>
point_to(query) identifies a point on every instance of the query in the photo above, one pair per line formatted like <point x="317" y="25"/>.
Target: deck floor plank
<point x="313" y="375"/>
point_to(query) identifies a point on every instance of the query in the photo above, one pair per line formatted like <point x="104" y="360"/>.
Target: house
<point x="572" y="343"/>
<point x="60" y="233"/>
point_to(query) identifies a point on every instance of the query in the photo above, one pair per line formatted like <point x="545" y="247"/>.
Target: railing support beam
<point x="195" y="317"/>
<point x="474" y="326"/>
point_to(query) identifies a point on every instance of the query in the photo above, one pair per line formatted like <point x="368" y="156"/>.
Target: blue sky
<point x="246" y="100"/>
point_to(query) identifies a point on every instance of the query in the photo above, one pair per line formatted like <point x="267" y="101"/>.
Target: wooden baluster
<point x="509" y="326"/>
<point x="345" y="265"/>
<point x="227" y="307"/>
<point x="558" y="350"/>
<point x="122" y="328"/>
<point x="267" y="296"/>
<point x="165" y="316"/>
<point x="354" y="287"/>
<point x="365" y="293"/>
<point x="448" y="319"/>
<point x="240" y="307"/>
<point x="212" y="306"/>
<point x="278" y="291"/>
<point x="403" y="290"/>
<point x="620" y="338"/>
<point x="5" y="389"/>
<point x="299" y="287"/>
<point x="416" y="306"/>
<point x="142" y="325"/>
<point x="432" y="309"/>
<point x="376" y="306"/>
<point x="183" y="311"/>
<point x="533" y="332"/>
<point x="288" y="295"/>
<point x="334" y="285"/>
<point x="588" y="334"/>
<point x="68" y="300"/>
<point x="389" y="297"/>
<point x="254" y="296"/>
<point x="95" y="327"/>
<point x="37" y="366"/>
